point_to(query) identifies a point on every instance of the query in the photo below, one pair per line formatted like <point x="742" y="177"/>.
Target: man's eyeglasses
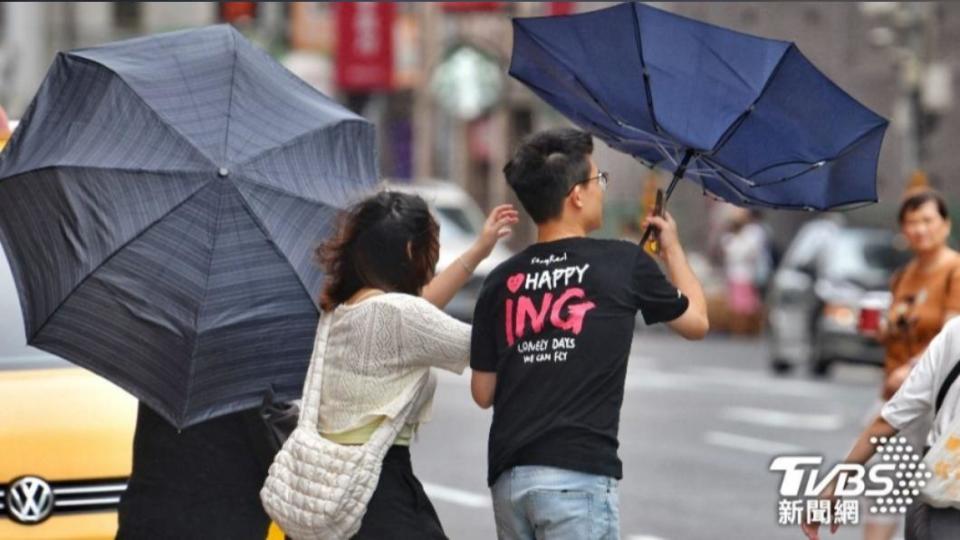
<point x="602" y="178"/>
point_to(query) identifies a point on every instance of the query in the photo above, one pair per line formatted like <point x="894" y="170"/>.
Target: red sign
<point x="562" y="8"/>
<point x="238" y="11"/>
<point x="471" y="6"/>
<point x="365" y="45"/>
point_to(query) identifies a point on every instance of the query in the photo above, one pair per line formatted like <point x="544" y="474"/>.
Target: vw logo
<point x="30" y="500"/>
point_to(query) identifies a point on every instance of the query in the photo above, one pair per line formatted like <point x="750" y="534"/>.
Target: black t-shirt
<point x="555" y="322"/>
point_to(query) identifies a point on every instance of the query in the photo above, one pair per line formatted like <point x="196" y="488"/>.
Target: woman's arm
<point x="445" y="285"/>
<point x="862" y="451"/>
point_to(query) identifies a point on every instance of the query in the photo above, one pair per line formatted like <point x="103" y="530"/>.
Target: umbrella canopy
<point x="160" y="203"/>
<point x="749" y="119"/>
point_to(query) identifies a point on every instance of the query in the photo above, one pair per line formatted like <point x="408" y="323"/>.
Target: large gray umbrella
<point x="159" y="205"/>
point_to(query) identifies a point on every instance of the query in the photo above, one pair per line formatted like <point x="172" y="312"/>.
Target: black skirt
<point x="399" y="508"/>
<point x="203" y="482"/>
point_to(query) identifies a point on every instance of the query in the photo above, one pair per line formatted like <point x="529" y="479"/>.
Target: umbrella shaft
<point x="677" y="175"/>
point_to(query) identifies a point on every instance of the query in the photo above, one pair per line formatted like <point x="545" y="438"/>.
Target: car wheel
<point x="780" y="366"/>
<point x="818" y="365"/>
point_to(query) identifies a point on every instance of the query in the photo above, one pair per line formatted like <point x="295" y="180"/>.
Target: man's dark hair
<point x="545" y="167"/>
<point x="917" y="200"/>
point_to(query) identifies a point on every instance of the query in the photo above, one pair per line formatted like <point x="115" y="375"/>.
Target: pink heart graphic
<point x="514" y="282"/>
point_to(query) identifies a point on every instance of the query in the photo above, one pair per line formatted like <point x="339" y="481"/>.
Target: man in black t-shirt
<point x="552" y="332"/>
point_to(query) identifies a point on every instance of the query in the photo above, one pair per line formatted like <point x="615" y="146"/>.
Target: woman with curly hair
<point x="386" y="332"/>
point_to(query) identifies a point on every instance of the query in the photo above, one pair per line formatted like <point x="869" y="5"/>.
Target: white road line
<point x="784" y="419"/>
<point x="644" y="537"/>
<point x="644" y="378"/>
<point x="457" y="496"/>
<point x="750" y="444"/>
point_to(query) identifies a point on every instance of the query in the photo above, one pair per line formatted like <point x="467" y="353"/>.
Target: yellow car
<point x="65" y="439"/>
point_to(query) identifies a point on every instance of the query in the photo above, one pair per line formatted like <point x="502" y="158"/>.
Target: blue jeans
<point x="547" y="503"/>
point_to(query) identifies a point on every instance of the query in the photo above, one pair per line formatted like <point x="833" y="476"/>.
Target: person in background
<point x="926" y="294"/>
<point x="745" y="263"/>
<point x="552" y="332"/>
<point x="918" y="397"/>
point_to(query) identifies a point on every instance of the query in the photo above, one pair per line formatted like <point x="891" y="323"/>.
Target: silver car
<point x="816" y="295"/>
<point x="460" y="220"/>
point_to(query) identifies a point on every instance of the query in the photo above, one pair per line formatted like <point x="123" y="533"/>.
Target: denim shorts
<point x="536" y="502"/>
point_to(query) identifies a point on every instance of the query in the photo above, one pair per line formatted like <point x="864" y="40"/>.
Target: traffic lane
<point x="697" y="440"/>
<point x="674" y="401"/>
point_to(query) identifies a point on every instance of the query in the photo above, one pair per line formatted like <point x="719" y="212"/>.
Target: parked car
<point x="65" y="441"/>
<point x="460" y="220"/>
<point x="816" y="294"/>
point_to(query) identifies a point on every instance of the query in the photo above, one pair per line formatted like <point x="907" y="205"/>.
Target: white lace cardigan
<point x="379" y="351"/>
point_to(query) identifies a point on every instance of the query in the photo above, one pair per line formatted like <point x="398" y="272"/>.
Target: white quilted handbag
<point x="316" y="488"/>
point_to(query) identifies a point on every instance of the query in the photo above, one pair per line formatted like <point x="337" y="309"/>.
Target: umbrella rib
<point x="812" y="165"/>
<point x="721" y="176"/>
<point x="162" y="121"/>
<point x="120" y="248"/>
<point x="281" y="191"/>
<point x="233" y="79"/>
<point x="203" y="301"/>
<point x="646" y="72"/>
<point x="171" y="172"/>
<point x="266" y="233"/>
<point x="817" y="164"/>
<point x="728" y="134"/>
<point x="298" y="138"/>
<point x="590" y="94"/>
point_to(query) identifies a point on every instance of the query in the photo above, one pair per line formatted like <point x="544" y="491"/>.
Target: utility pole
<point x="424" y="113"/>
<point x="924" y="87"/>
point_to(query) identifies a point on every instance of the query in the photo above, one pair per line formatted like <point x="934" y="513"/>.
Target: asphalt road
<point x="701" y="422"/>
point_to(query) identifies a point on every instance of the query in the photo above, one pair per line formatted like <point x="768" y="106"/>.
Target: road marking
<point x="744" y="380"/>
<point x="457" y="496"/>
<point x="644" y="537"/>
<point x="750" y="444"/>
<point x="768" y="417"/>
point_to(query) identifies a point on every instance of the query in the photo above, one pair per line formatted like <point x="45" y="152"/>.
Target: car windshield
<point x="864" y="257"/>
<point x="456" y="225"/>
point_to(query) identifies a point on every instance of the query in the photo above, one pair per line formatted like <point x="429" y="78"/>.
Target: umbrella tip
<point x="223" y="172"/>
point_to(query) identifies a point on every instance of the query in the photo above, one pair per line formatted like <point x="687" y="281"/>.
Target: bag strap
<point x="388" y="430"/>
<point x="309" y="417"/>
<point x="310" y="412"/>
<point x="945" y="387"/>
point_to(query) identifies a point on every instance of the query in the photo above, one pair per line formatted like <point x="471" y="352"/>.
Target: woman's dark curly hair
<point x="369" y="248"/>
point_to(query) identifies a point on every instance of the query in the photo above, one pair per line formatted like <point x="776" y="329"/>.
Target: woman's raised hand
<point x="496" y="226"/>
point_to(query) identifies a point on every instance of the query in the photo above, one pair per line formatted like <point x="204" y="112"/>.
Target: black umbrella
<point x="159" y="205"/>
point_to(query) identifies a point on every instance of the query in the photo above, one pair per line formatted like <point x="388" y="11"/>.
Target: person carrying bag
<point x="346" y="470"/>
<point x="319" y="489"/>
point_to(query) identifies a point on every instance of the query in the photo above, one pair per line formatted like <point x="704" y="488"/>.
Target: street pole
<point x="424" y="121"/>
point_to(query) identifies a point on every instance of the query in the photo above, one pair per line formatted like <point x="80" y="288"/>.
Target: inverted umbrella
<point x="750" y="120"/>
<point x="160" y="203"/>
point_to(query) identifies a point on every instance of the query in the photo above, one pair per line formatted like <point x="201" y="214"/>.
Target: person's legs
<point x="508" y="510"/>
<point x="548" y="503"/>
<point x="943" y="523"/>
<point x="399" y="508"/>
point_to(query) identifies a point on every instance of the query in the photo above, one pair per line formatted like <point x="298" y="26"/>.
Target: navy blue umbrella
<point x="159" y="205"/>
<point x="750" y="120"/>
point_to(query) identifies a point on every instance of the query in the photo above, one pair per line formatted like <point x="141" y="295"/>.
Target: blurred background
<point x="433" y="78"/>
